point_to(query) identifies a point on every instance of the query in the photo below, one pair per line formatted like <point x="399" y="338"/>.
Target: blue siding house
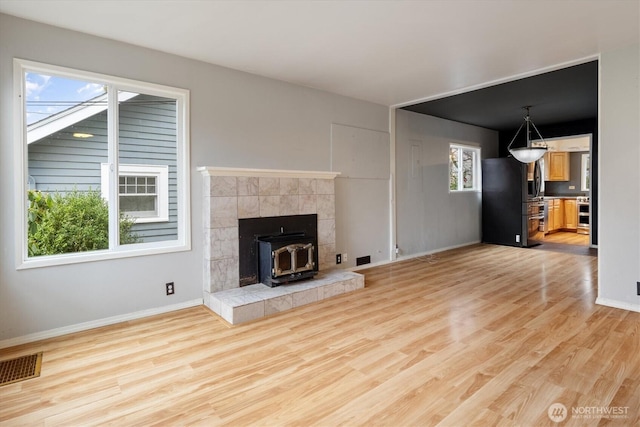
<point x="68" y="151"/>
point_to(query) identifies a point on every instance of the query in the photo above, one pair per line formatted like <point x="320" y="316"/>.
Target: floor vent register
<point x="20" y="369"/>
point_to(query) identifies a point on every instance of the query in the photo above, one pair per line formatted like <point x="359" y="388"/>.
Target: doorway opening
<point x="567" y="194"/>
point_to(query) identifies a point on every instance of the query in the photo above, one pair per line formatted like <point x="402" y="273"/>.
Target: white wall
<point x="619" y="141"/>
<point x="428" y="216"/>
<point x="237" y="120"/>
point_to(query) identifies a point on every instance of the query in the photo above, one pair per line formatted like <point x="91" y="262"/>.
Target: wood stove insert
<point x="293" y="241"/>
<point x="286" y="258"/>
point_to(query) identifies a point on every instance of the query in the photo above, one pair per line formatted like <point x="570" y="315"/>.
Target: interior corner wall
<point x="429" y="217"/>
<point x="237" y="120"/>
<point x="619" y="241"/>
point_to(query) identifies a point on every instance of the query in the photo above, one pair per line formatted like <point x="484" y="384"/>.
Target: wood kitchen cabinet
<point x="570" y="215"/>
<point x="555" y="220"/>
<point x="556" y="166"/>
<point x="558" y="214"/>
<point x="562" y="215"/>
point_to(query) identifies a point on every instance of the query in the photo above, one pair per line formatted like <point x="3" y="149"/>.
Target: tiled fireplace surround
<point x="231" y="194"/>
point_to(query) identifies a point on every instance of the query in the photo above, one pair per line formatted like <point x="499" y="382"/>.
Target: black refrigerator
<point x="505" y="193"/>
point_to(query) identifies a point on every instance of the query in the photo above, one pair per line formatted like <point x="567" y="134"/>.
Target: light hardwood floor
<point x="567" y="238"/>
<point x="484" y="335"/>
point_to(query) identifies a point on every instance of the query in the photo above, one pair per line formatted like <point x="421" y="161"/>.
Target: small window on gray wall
<point x="464" y="168"/>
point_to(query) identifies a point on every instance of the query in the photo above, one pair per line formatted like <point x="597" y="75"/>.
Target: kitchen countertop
<point x="561" y="197"/>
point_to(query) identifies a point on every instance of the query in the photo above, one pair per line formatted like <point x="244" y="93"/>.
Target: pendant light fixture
<point x="528" y="153"/>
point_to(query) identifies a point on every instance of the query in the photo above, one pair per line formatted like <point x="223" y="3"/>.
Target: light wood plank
<point x="483" y="335"/>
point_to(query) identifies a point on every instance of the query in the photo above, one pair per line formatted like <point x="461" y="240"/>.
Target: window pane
<point x="585" y="172"/>
<point x="66" y="137"/>
<point x="147" y="138"/>
<point x="467" y="168"/>
<point x="142" y="185"/>
<point x="138" y="205"/>
<point x="453" y="168"/>
<point x="463" y="168"/>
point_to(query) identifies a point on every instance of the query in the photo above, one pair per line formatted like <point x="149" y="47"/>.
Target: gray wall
<point x="363" y="158"/>
<point x="619" y="227"/>
<point x="428" y="216"/>
<point x="237" y="120"/>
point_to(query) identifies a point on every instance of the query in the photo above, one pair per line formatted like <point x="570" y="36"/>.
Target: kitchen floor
<point x="567" y="238"/>
<point x="567" y="242"/>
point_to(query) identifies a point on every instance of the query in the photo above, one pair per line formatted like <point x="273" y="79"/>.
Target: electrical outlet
<point x="170" y="288"/>
<point x="638" y="285"/>
<point x="338" y="258"/>
<point x="517" y="238"/>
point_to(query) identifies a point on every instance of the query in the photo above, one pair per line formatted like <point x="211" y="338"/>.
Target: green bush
<point x="72" y="222"/>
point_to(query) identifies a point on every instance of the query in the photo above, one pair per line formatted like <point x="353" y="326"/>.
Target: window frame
<point x="115" y="251"/>
<point x="477" y="172"/>
<point x="160" y="172"/>
<point x="585" y="170"/>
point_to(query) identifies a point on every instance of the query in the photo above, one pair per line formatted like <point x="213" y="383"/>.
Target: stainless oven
<point x="582" y="204"/>
<point x="544" y="213"/>
<point x="535" y="221"/>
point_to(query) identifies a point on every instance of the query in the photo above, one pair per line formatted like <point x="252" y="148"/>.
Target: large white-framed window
<point x="464" y="168"/>
<point x="103" y="166"/>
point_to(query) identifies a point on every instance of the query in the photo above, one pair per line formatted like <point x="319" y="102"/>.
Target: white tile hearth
<point x="255" y="301"/>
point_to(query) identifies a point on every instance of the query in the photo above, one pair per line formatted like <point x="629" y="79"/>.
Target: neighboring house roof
<point x="65" y="118"/>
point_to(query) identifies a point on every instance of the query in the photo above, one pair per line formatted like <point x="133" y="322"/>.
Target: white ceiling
<point x="388" y="52"/>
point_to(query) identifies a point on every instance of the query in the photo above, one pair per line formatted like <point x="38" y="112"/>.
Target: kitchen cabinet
<point x="554" y="220"/>
<point x="558" y="214"/>
<point x="551" y="218"/>
<point x="556" y="166"/>
<point x="570" y="215"/>
<point x="562" y="215"/>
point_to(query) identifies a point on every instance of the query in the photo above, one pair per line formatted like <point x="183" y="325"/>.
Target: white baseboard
<point x="407" y="257"/>
<point x="618" y="304"/>
<point x="52" y="333"/>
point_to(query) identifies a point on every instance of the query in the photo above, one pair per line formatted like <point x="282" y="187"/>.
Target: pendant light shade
<point x="528" y="153"/>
